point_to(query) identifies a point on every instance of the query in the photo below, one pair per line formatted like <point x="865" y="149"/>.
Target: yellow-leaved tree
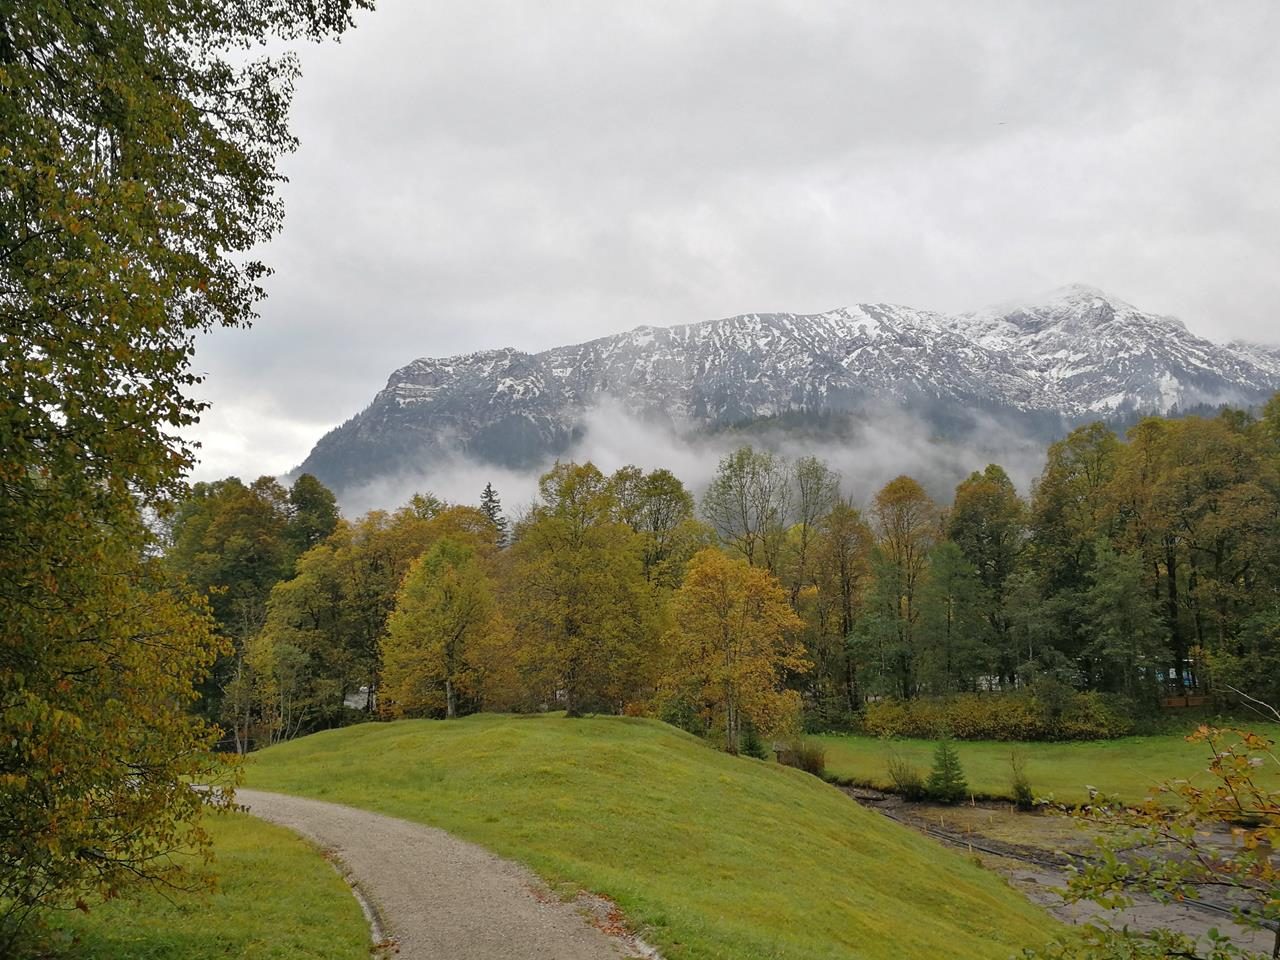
<point x="732" y="642"/>
<point x="443" y="622"/>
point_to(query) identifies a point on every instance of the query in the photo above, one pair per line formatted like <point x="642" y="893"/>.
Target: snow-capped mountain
<point x="1104" y="356"/>
<point x="1072" y="355"/>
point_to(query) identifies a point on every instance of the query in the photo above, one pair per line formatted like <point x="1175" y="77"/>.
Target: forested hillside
<point x="1139" y="568"/>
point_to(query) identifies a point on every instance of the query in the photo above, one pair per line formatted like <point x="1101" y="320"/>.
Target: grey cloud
<point x="493" y="173"/>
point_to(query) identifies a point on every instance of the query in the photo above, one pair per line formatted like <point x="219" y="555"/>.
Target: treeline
<point x="1138" y="568"/>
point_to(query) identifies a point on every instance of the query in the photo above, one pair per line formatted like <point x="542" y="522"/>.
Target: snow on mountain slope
<point x="1074" y="354"/>
<point x="1261" y="355"/>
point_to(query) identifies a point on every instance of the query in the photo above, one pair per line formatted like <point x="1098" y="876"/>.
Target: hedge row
<point x="1001" y="716"/>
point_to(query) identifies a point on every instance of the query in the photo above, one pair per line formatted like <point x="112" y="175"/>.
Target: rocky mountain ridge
<point x="1072" y="355"/>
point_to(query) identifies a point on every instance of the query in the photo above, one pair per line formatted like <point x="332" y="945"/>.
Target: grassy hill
<point x="712" y="856"/>
<point x="1128" y="766"/>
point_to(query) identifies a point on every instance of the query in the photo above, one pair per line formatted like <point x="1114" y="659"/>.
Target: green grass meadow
<point x="711" y="856"/>
<point x="277" y="899"/>
<point x="1129" y="766"/>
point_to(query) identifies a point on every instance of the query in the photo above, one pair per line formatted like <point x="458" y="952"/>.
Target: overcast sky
<point x="483" y="173"/>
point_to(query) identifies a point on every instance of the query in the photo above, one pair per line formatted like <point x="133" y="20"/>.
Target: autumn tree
<point x="335" y="611"/>
<point x="443" y="611"/>
<point x="732" y="643"/>
<point x="578" y="597"/>
<point x="138" y="152"/>
<point x="844" y="545"/>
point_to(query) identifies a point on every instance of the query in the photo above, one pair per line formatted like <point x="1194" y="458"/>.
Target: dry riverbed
<point x="1033" y="850"/>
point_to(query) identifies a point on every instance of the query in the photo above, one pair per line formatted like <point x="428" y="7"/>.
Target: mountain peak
<point x="1081" y="291"/>
<point x="1073" y="299"/>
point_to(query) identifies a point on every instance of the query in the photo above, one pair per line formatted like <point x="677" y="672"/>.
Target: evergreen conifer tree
<point x="491" y="507"/>
<point x="946" y="782"/>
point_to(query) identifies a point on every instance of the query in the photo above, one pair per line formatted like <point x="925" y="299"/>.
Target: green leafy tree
<point x="313" y="513"/>
<point x="953" y="633"/>
<point x="1251" y="668"/>
<point x="1269" y="427"/>
<point x="233" y="543"/>
<point x="659" y="509"/>
<point x="1072" y="505"/>
<point x="987" y="521"/>
<point x="579" y="599"/>
<point x="905" y="522"/>
<point x="1120" y="615"/>
<point x="138" y="151"/>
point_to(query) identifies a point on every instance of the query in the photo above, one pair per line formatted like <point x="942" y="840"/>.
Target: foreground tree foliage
<point x="137" y="168"/>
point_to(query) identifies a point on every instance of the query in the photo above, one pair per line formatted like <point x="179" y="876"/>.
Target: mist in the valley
<point x="877" y="446"/>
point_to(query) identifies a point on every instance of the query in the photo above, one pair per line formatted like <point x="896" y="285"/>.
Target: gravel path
<point x="439" y="897"/>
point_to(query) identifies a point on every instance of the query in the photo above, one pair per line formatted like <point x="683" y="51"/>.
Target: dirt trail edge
<point x="438" y="896"/>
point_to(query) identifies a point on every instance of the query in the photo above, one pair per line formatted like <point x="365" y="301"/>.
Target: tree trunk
<point x="451" y="700"/>
<point x="1176" y="640"/>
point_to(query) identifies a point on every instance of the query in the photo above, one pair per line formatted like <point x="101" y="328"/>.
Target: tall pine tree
<point x="491" y="507"/>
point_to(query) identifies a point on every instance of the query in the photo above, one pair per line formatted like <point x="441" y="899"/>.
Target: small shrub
<point x="946" y="782"/>
<point x="807" y="755"/>
<point x="905" y="777"/>
<point x="886" y="718"/>
<point x="1019" y="782"/>
<point x="1093" y="716"/>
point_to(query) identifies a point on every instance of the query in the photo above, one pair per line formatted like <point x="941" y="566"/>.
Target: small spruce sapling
<point x="752" y="745"/>
<point x="946" y="782"/>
